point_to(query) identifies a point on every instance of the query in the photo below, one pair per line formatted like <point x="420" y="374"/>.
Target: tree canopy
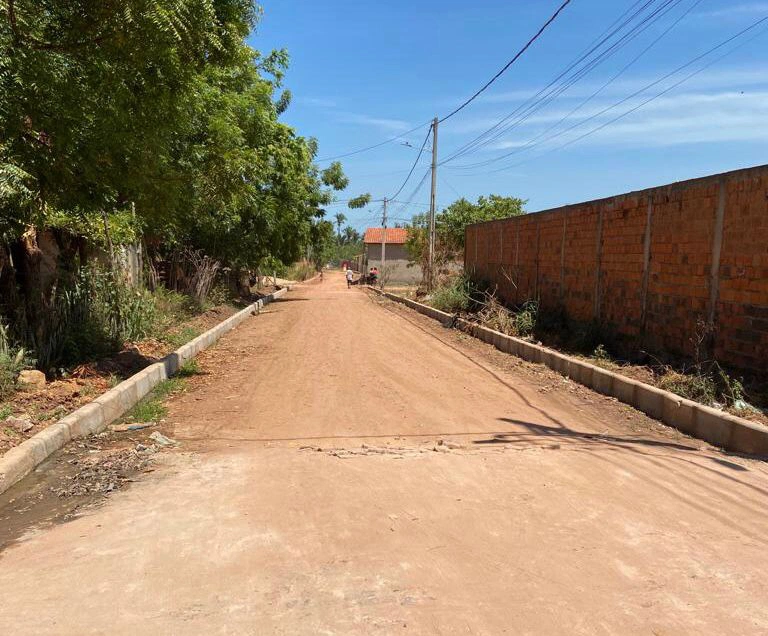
<point x="451" y="223"/>
<point x="156" y="106"/>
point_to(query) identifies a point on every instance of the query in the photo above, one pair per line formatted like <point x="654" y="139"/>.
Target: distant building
<point x="397" y="263"/>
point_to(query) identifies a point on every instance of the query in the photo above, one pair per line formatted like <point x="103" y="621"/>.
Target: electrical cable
<point x="568" y="115"/>
<point x="642" y="90"/>
<point x="413" y="167"/>
<point x="606" y="35"/>
<point x="404" y="204"/>
<point x="508" y="64"/>
<point x="536" y="103"/>
<point x="378" y="145"/>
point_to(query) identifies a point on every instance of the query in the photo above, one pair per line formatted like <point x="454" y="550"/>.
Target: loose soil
<point x="757" y="393"/>
<point x="348" y="466"/>
<point x="86" y="382"/>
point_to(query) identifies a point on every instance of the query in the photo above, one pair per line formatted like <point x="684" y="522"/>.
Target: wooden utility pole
<point x="432" y="199"/>
<point x="383" y="244"/>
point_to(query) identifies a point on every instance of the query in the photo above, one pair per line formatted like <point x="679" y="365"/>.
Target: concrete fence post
<point x="517" y="262"/>
<point x="562" y="257"/>
<point x="646" y="264"/>
<point x="536" y="290"/>
<point x="717" y="246"/>
<point x="598" y="262"/>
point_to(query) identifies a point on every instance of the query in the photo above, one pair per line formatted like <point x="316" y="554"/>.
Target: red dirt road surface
<point x="349" y="467"/>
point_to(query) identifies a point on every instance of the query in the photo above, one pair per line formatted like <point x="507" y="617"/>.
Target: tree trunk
<point x="31" y="285"/>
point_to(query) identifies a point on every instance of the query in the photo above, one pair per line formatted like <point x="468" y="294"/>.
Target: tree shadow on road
<point x="565" y="432"/>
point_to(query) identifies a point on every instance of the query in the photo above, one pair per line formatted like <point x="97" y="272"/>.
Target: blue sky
<point x="362" y="72"/>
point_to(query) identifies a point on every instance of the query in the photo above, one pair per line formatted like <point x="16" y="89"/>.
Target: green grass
<point x="188" y="369"/>
<point x="452" y="297"/>
<point x="148" y="411"/>
<point x="5" y="411"/>
<point x="180" y="337"/>
<point x="151" y="408"/>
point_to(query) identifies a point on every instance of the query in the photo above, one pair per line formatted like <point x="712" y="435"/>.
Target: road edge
<point x="721" y="429"/>
<point x="94" y="417"/>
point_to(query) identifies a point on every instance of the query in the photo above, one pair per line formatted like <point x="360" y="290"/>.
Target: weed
<point x="169" y="387"/>
<point x="525" y="319"/>
<point x="88" y="390"/>
<point x="188" y="369"/>
<point x="300" y="271"/>
<point x="92" y="317"/>
<point x="6" y="410"/>
<point x="220" y="294"/>
<point x="151" y="408"/>
<point x="730" y="389"/>
<point x="171" y="309"/>
<point x="181" y="336"/>
<point x="601" y="357"/>
<point x="13" y="360"/>
<point x="148" y="411"/>
<point x="454" y="296"/>
<point x="694" y="386"/>
<point x="498" y="317"/>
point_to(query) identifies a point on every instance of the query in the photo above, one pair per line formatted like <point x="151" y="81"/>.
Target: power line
<point x="510" y="63"/>
<point x="532" y="143"/>
<point x="466" y="103"/>
<point x="642" y="90"/>
<point x="553" y="90"/>
<point x="450" y="187"/>
<point x="404" y="204"/>
<point x="413" y="167"/>
<point x="378" y="145"/>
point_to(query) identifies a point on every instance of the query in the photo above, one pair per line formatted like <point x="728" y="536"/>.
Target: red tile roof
<point x="394" y="235"/>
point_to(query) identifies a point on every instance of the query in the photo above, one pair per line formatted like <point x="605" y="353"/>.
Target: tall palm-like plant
<point x="340" y="218"/>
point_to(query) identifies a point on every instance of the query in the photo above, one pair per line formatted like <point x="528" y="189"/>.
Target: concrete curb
<point x="94" y="417"/>
<point x="703" y="422"/>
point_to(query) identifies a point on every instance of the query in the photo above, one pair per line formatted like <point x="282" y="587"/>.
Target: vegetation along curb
<point x="95" y="416"/>
<point x="697" y="420"/>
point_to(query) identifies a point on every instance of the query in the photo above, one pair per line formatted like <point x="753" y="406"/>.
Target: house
<point x="397" y="268"/>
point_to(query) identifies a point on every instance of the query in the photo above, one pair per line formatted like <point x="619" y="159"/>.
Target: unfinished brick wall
<point x="648" y="265"/>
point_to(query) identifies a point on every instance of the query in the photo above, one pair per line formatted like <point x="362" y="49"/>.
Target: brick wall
<point x="648" y="265"/>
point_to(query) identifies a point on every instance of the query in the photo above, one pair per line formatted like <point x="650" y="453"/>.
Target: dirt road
<point x="360" y="470"/>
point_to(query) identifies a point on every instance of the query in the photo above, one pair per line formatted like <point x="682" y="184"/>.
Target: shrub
<point x="525" y="319"/>
<point x="453" y="296"/>
<point x="93" y="317"/>
<point x="300" y="271"/>
<point x="496" y="316"/>
<point x="12" y="361"/>
<point x="708" y="386"/>
<point x="698" y="387"/>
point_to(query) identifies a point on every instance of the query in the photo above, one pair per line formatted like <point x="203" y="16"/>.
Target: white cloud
<point x="749" y="8"/>
<point x="318" y="101"/>
<point x="391" y="125"/>
<point x="687" y="118"/>
<point x="679" y="119"/>
<point x="507" y="145"/>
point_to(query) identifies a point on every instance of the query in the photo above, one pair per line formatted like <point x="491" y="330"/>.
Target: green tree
<point x="450" y="226"/>
<point x="155" y="117"/>
<point x="359" y="201"/>
<point x="350" y="236"/>
<point x="322" y="242"/>
<point x="340" y="218"/>
<point x="451" y="223"/>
